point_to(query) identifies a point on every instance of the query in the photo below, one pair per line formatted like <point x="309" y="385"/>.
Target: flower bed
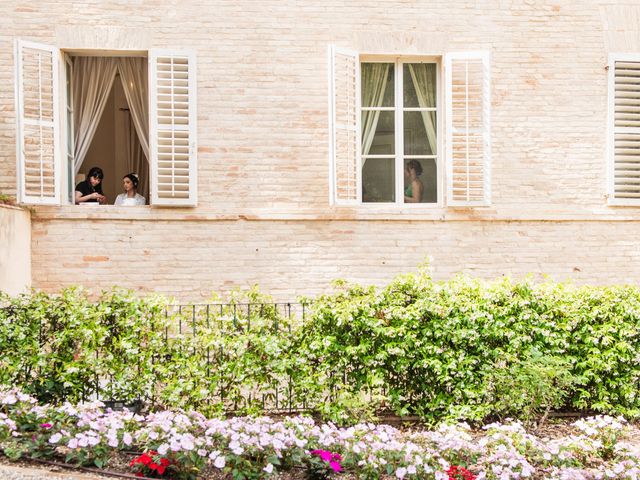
<point x="180" y="445"/>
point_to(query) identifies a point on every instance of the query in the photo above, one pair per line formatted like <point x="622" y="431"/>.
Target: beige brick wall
<point x="191" y="258"/>
<point x="263" y="213"/>
<point x="15" y="250"/>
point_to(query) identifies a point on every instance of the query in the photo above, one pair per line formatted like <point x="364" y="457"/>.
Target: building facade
<point x="281" y="134"/>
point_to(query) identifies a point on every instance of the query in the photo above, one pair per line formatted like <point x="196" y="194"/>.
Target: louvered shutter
<point x="468" y="134"/>
<point x="344" y="122"/>
<point x="624" y="129"/>
<point x="37" y="114"/>
<point x="172" y="134"/>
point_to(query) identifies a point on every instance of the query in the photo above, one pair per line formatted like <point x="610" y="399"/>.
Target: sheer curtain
<point x="136" y="159"/>
<point x="421" y="76"/>
<point x="374" y="83"/>
<point x="92" y="81"/>
<point x="133" y="74"/>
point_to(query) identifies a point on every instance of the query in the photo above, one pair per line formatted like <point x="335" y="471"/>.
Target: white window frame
<point x="611" y="129"/>
<point x="63" y="184"/>
<point x="398" y="61"/>
<point x="68" y="146"/>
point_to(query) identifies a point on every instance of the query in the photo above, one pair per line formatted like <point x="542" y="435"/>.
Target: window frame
<point x="611" y="130"/>
<point x="64" y="177"/>
<point x="399" y="109"/>
<point x="66" y="54"/>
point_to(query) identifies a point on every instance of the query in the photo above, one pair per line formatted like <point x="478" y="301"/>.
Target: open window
<point x="123" y="112"/>
<point x="386" y="129"/>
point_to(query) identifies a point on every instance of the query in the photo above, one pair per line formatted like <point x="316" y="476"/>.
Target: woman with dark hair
<point x="414" y="190"/>
<point x="130" y="196"/>
<point x="90" y="190"/>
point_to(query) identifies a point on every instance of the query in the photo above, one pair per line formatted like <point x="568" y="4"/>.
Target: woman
<point x="90" y="190"/>
<point x="415" y="189"/>
<point x="130" y="196"/>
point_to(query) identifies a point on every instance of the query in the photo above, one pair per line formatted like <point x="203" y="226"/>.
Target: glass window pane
<point x="419" y="85"/>
<point x="420" y="133"/>
<point x="420" y="181"/>
<point x="377" y="85"/>
<point x="378" y="132"/>
<point x="378" y="180"/>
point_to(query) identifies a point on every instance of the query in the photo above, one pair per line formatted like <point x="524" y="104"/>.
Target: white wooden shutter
<point x="344" y="123"/>
<point x="624" y="129"/>
<point x="37" y="114"/>
<point x="468" y="134"/>
<point x="172" y="134"/>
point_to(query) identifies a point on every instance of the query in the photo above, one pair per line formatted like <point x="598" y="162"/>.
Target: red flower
<point x="149" y="463"/>
<point x="460" y="473"/>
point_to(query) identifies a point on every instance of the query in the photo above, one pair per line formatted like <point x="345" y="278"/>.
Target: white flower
<point x="55" y="438"/>
<point x="202" y="452"/>
<point x="220" y="462"/>
<point x="73" y="443"/>
<point x="187" y="442"/>
<point x="163" y="449"/>
<point x="126" y="439"/>
<point x="401" y="472"/>
<point x="268" y="468"/>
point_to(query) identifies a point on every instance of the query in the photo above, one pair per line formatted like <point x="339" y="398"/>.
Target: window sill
<point x="346" y="214"/>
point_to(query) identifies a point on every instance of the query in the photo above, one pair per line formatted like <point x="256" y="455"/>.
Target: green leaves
<point x="462" y="349"/>
<point x="469" y="349"/>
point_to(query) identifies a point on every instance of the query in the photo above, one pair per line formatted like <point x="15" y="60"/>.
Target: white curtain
<point x="374" y="84"/>
<point x="422" y="75"/>
<point x="92" y="81"/>
<point x="133" y="74"/>
<point x="136" y="159"/>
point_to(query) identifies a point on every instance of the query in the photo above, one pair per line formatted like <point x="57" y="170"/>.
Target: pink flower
<point x="323" y="454"/>
<point x="45" y="425"/>
<point x="335" y="466"/>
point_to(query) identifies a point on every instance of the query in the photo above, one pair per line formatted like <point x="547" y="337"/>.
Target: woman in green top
<point x="414" y="189"/>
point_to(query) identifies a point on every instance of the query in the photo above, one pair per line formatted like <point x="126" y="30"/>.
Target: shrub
<point x="460" y="349"/>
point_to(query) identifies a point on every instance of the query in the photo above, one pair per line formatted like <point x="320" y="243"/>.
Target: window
<point x="624" y="130"/>
<point x="385" y="133"/>
<point x="45" y="158"/>
<point x="399" y="132"/>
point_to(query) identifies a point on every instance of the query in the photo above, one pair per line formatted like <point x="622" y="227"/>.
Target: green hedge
<point x="462" y="349"/>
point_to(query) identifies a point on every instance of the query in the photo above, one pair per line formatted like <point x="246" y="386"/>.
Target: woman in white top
<point x="130" y="196"/>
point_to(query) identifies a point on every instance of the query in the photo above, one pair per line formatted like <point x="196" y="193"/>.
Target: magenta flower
<point x="45" y="425"/>
<point x="333" y="459"/>
<point x="323" y="454"/>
